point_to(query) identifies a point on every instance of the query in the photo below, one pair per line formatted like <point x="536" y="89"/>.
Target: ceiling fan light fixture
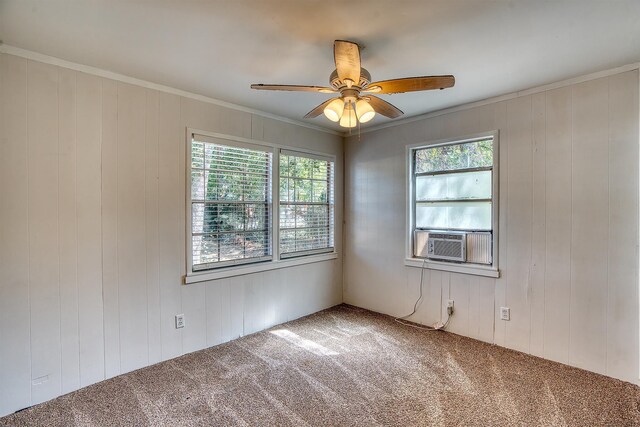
<point x="350" y="80"/>
<point x="334" y="109"/>
<point x="348" y="119"/>
<point x="364" y="111"/>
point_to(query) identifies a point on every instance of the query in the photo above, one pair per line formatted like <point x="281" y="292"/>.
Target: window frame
<point x="474" y="269"/>
<point x="241" y="268"/>
<point x="269" y="203"/>
<point x="330" y="203"/>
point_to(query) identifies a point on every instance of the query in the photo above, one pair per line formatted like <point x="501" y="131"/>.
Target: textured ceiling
<point x="218" y="48"/>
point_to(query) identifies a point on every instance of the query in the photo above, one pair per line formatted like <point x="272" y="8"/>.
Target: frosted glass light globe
<point x="334" y="110"/>
<point x="364" y="111"/>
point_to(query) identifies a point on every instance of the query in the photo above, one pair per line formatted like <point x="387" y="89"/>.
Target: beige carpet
<point x="347" y="366"/>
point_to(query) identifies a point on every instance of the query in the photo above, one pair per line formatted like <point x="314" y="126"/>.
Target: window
<point x="248" y="210"/>
<point x="306" y="204"/>
<point x="453" y="189"/>
<point x="230" y="203"/>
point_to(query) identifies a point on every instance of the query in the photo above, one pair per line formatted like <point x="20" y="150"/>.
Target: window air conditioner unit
<point x="447" y="246"/>
<point x="471" y="246"/>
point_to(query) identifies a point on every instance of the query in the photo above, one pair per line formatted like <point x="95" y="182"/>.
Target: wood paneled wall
<point x="92" y="253"/>
<point x="568" y="233"/>
<point x="92" y="234"/>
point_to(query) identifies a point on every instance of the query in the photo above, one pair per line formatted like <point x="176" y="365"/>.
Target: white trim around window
<point x="307" y="207"/>
<point x="272" y="261"/>
<point x="474" y="269"/>
<point x="221" y="273"/>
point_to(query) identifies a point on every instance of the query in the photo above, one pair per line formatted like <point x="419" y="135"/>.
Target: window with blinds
<point x="230" y="203"/>
<point x="306" y="204"/>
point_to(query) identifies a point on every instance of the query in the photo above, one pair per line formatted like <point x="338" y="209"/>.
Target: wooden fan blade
<point x="346" y="55"/>
<point x="319" y="109"/>
<point x="412" y="84"/>
<point x="383" y="107"/>
<point x="297" y="88"/>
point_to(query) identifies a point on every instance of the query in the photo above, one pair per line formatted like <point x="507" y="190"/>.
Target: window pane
<point x="231" y="246"/>
<point x="212" y="221"/>
<point x="256" y="245"/>
<point x="232" y="221"/>
<point x="319" y="191"/>
<point x="197" y="155"/>
<point x="287" y="216"/>
<point x="256" y="217"/>
<point x="306" y="204"/>
<point x="454" y="215"/>
<point x="197" y="217"/>
<point x="213" y="186"/>
<point x="311" y="238"/>
<point x="304" y="216"/>
<point x="467" y="185"/>
<point x="197" y="184"/>
<point x="319" y="169"/>
<point x="230" y="217"/>
<point x="253" y="188"/>
<point x="300" y="167"/>
<point x="291" y="196"/>
<point x="303" y="190"/>
<point x="311" y="216"/>
<point x="287" y="241"/>
<point x="211" y="218"/>
<point x="455" y="156"/>
<point x="235" y="186"/>
<point x="284" y="165"/>
<point x="284" y="190"/>
<point x="205" y="249"/>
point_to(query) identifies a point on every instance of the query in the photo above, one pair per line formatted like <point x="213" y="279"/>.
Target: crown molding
<point x="512" y="95"/>
<point x="39" y="57"/>
<point x="35" y="56"/>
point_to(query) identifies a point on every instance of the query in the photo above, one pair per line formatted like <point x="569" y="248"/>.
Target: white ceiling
<point x="218" y="48"/>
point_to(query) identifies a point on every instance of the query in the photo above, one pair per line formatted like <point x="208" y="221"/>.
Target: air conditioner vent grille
<point x="447" y="248"/>
<point x="479" y="248"/>
<point x="446" y="236"/>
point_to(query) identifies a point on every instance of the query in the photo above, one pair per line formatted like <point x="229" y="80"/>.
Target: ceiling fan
<point x="355" y="103"/>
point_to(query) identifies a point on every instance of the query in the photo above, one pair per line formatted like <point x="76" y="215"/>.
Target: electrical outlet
<point x="179" y="321"/>
<point x="450" y="303"/>
<point x="449" y="307"/>
<point x="505" y="313"/>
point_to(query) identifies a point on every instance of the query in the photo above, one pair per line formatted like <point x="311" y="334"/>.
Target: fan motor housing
<point x="365" y="79"/>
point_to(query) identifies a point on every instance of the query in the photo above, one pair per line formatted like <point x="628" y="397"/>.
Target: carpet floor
<point x="347" y="366"/>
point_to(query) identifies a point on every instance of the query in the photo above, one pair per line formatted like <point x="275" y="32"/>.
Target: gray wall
<point x="92" y="213"/>
<point x="92" y="234"/>
<point x="568" y="233"/>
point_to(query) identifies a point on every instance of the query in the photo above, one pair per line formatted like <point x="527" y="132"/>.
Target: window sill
<point x="222" y="273"/>
<point x="475" y="270"/>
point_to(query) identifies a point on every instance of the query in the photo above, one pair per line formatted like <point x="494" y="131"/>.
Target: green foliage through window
<point x="306" y="204"/>
<point x="467" y="155"/>
<point x="230" y="196"/>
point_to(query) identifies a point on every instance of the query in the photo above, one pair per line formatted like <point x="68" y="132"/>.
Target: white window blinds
<point x="230" y="203"/>
<point x="306" y="204"/>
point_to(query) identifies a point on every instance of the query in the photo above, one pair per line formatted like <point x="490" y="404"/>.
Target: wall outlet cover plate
<point x="179" y="321"/>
